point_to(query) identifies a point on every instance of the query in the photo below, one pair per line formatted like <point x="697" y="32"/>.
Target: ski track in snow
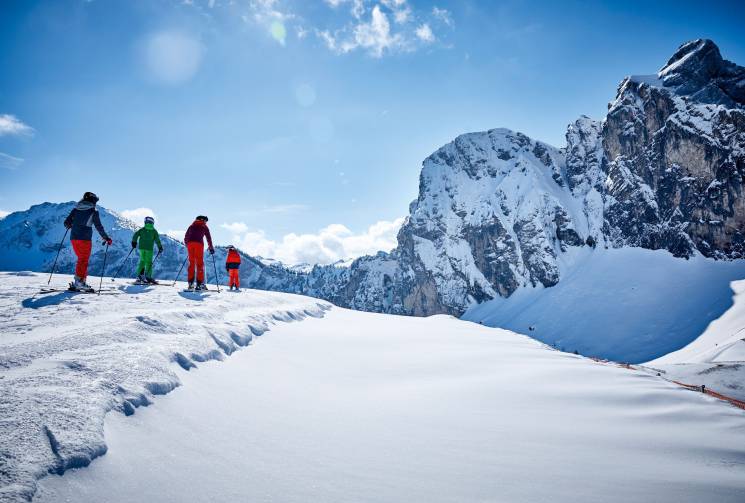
<point x="378" y="408"/>
<point x="68" y="359"/>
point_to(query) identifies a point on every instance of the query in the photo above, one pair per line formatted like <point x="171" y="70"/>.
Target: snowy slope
<point x="716" y="358"/>
<point x="377" y="408"/>
<point x="626" y="304"/>
<point x="66" y="360"/>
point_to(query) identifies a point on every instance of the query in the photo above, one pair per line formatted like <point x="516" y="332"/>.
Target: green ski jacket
<point x="147" y="237"/>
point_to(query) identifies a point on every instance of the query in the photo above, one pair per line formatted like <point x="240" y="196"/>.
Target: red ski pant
<point x="82" y="249"/>
<point x="196" y="261"/>
<point x="233" y="278"/>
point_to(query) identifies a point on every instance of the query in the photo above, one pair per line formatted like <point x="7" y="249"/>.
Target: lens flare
<point x="278" y="32"/>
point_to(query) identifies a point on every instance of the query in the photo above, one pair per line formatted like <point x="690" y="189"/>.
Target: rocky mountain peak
<point x="698" y="70"/>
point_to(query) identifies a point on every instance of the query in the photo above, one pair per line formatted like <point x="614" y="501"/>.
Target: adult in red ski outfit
<point x="233" y="265"/>
<point x="194" y="241"/>
<point x="81" y="220"/>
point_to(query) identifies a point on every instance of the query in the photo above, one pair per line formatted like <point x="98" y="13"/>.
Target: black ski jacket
<point x="81" y="220"/>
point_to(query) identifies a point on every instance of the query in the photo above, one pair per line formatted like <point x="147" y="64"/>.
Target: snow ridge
<point x="66" y="361"/>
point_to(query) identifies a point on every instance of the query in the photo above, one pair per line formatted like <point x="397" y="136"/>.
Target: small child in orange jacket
<point x="232" y="265"/>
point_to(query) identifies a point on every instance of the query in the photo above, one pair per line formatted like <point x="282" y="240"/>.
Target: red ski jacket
<point x="197" y="232"/>
<point x="233" y="261"/>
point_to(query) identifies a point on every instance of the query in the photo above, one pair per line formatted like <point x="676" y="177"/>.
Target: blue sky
<point x="299" y="126"/>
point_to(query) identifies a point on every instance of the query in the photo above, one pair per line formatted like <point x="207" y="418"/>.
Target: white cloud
<point x="4" y="213"/>
<point x="12" y="125"/>
<point x="138" y="215"/>
<point x="9" y="162"/>
<point x="173" y="57"/>
<point x="442" y="15"/>
<point x="332" y="243"/>
<point x="235" y="227"/>
<point x="375" y="35"/>
<point x="424" y="33"/>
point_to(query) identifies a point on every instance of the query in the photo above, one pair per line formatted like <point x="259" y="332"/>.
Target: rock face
<point x="498" y="211"/>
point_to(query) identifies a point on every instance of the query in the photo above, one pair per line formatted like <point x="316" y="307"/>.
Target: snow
<point x="624" y="304"/>
<point x="66" y="360"/>
<point x="366" y="407"/>
<point x="717" y="357"/>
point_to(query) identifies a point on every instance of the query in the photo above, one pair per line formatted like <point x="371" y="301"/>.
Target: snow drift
<point x="377" y="408"/>
<point x="66" y="360"/>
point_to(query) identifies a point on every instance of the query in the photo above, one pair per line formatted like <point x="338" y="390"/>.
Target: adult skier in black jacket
<point x="80" y="221"/>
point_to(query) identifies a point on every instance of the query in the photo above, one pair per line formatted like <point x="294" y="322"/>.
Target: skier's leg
<point x="199" y="253"/>
<point x="147" y="255"/>
<point x="82" y="249"/>
<point x="141" y="264"/>
<point x="191" y="248"/>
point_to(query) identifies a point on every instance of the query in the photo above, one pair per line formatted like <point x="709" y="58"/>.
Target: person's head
<point x="90" y="197"/>
<point x="231" y="247"/>
<point x="149" y="221"/>
<point x="202" y="218"/>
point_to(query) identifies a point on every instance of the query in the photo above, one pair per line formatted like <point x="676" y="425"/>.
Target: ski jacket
<point x="233" y="261"/>
<point x="81" y="220"/>
<point x="147" y="236"/>
<point x="197" y="232"/>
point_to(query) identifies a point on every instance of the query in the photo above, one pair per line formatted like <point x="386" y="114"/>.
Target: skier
<point x="147" y="236"/>
<point x="194" y="240"/>
<point x="232" y="265"/>
<point x="80" y="221"/>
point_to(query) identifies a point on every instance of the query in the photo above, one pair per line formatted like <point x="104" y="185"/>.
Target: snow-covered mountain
<point x="498" y="211"/>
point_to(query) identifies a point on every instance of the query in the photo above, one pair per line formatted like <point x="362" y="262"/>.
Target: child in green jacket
<point x="147" y="236"/>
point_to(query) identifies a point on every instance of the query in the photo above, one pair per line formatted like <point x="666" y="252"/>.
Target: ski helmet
<point x="149" y="220"/>
<point x="202" y="218"/>
<point x="231" y="247"/>
<point x="90" y="197"/>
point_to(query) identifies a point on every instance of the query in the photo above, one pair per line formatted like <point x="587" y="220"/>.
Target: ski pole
<point x="217" y="278"/>
<point x="156" y="257"/>
<point x="116" y="275"/>
<point x="103" y="269"/>
<point x="59" y="249"/>
<point x="179" y="271"/>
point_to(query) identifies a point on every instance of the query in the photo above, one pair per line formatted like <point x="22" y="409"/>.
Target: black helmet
<point x="231" y="247"/>
<point x="202" y="218"/>
<point x="90" y="197"/>
<point x="149" y="220"/>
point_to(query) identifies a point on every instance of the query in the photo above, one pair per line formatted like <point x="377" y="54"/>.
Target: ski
<point x="67" y="290"/>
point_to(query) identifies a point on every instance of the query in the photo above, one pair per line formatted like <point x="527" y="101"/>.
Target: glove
<point x="160" y="250"/>
<point x="107" y="241"/>
<point x="68" y="226"/>
<point x="134" y="244"/>
<point x="212" y="251"/>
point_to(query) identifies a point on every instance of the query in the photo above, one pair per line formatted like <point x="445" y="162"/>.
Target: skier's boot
<point x="79" y="285"/>
<point x="201" y="286"/>
<point x="140" y="280"/>
<point x="191" y="286"/>
<point x="151" y="281"/>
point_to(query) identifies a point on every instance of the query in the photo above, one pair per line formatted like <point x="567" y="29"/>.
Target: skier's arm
<point x="209" y="239"/>
<point x="68" y="220"/>
<point x="135" y="237"/>
<point x="157" y="242"/>
<point x="99" y="227"/>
